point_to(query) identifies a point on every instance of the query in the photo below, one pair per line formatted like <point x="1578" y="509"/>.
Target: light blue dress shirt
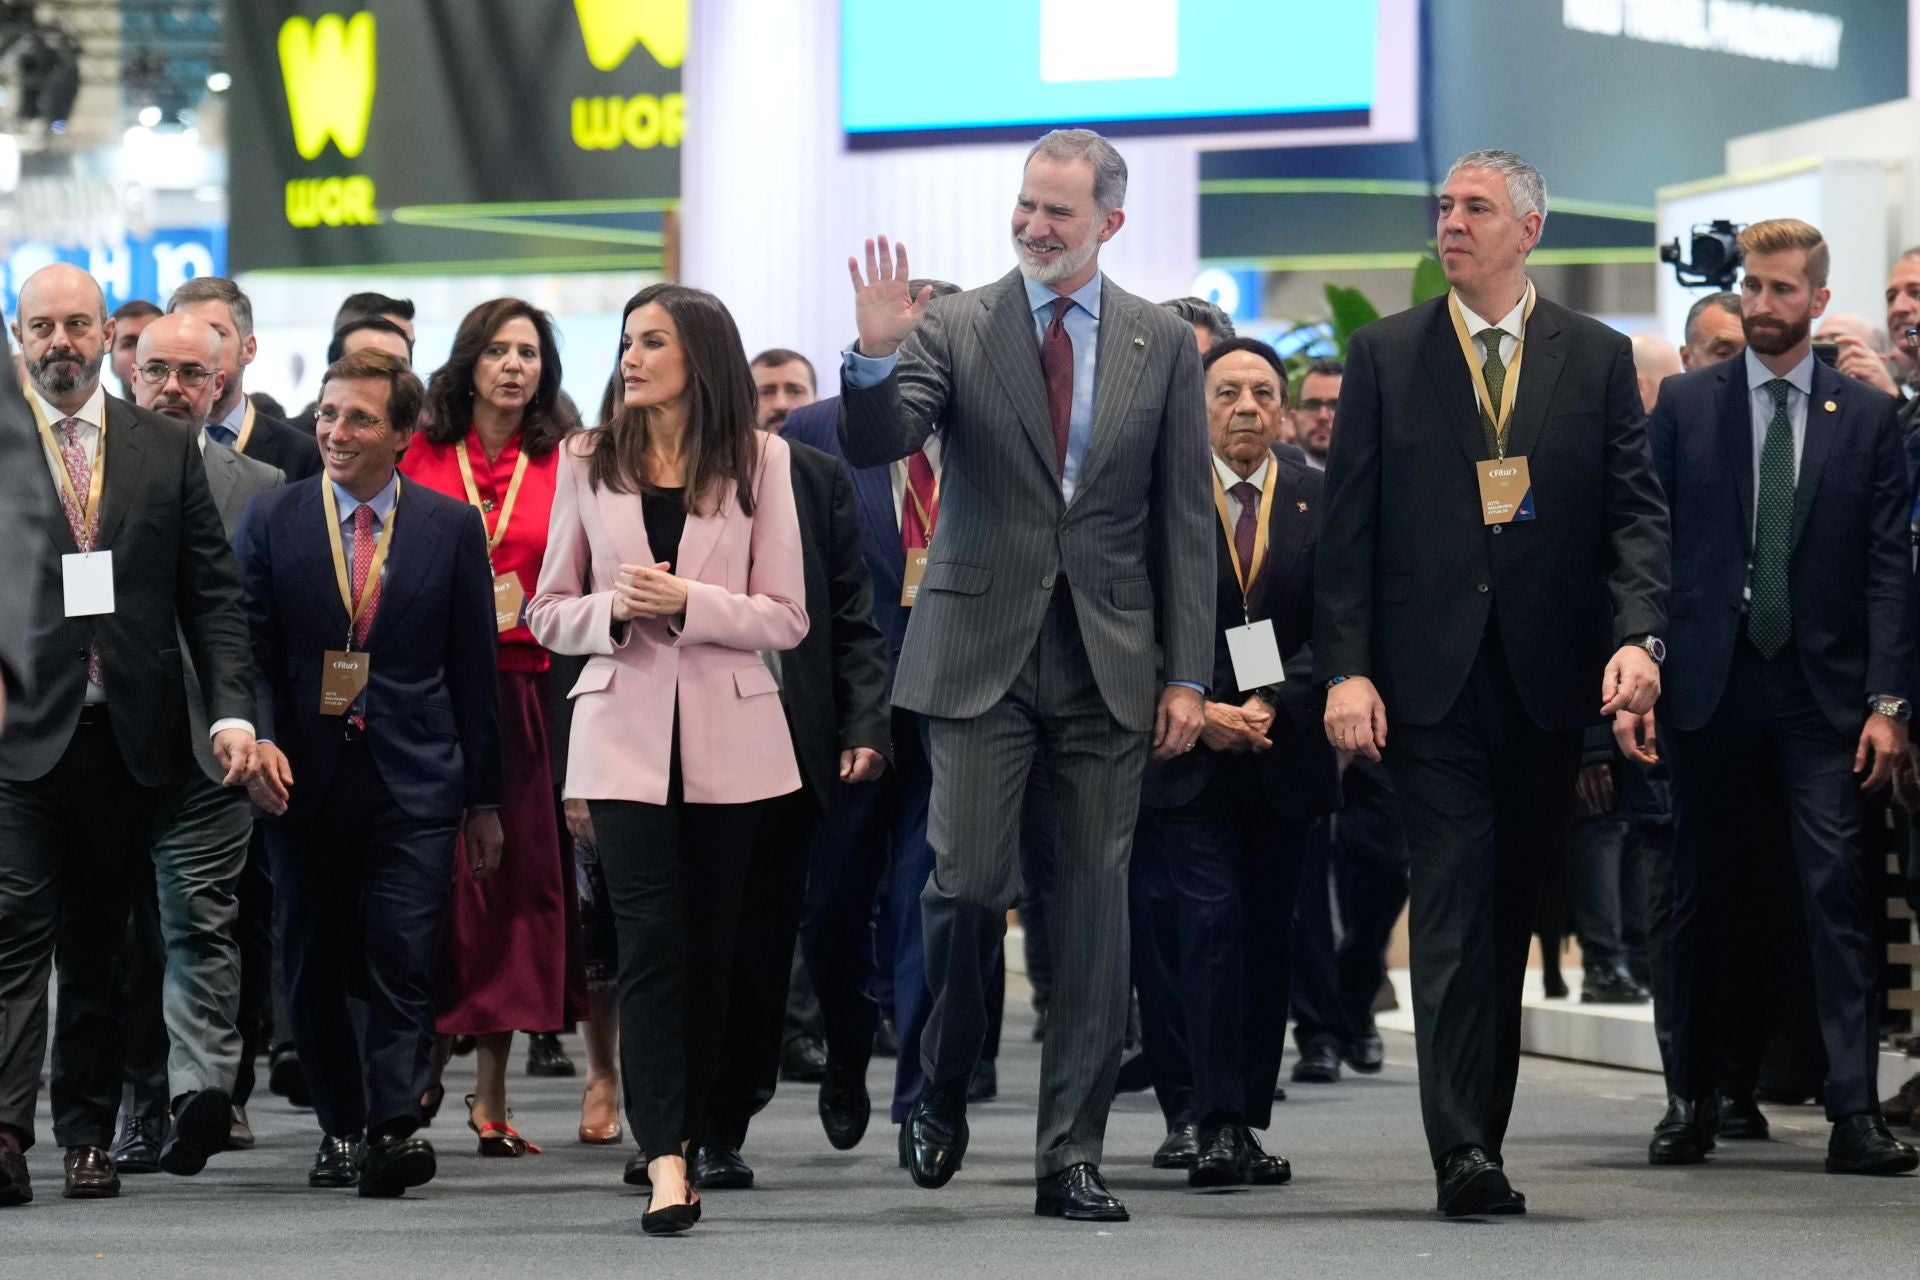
<point x="382" y="504"/>
<point x="227" y="429"/>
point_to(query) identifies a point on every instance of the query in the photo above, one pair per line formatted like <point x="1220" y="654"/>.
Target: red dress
<point x="510" y="961"/>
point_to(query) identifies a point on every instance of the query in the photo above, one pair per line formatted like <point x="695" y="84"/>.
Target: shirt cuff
<point x="1188" y="684"/>
<point x="866" y="371"/>
<point x="219" y="727"/>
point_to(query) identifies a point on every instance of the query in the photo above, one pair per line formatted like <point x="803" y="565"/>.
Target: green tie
<point x="1770" y="602"/>
<point x="1495" y="371"/>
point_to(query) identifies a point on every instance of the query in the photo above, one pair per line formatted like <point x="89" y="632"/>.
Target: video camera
<point x="1716" y="256"/>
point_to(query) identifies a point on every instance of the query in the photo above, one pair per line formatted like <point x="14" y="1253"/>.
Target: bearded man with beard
<point x="1787" y="692"/>
<point x="1062" y="619"/>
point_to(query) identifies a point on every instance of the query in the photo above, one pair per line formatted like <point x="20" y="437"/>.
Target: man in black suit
<point x="136" y="560"/>
<point x="1492" y="534"/>
<point x="234" y="421"/>
<point x="380" y="744"/>
<point x="1792" y="668"/>
<point x="24" y="512"/>
<point x="834" y="689"/>
<point x="1226" y="822"/>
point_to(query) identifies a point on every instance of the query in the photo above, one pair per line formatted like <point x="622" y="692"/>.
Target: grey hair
<point x="1910" y="253"/>
<point x="1203" y="314"/>
<point x="216" y="289"/>
<point x="1109" y="170"/>
<point x="1727" y="301"/>
<point x="1525" y="187"/>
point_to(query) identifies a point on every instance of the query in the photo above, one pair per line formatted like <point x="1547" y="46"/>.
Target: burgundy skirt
<point x="510" y="961"/>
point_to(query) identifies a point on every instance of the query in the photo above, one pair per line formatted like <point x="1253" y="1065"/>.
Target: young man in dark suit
<point x="1791" y="675"/>
<point x="373" y="629"/>
<point x="134" y="559"/>
<point x="1492" y="578"/>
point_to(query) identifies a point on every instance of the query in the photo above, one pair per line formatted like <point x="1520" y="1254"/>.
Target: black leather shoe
<point x="1471" y="1184"/>
<point x="1264" y="1170"/>
<point x="1366" y="1054"/>
<point x="1683" y="1136"/>
<point x="90" y="1174"/>
<point x="137" y="1149"/>
<point x="1077" y="1194"/>
<point x="202" y="1123"/>
<point x="1740" y="1119"/>
<point x="845" y="1107"/>
<point x="636" y="1171"/>
<point x="337" y="1163"/>
<point x="1862" y="1144"/>
<point x="937" y="1134"/>
<point x="1222" y="1161"/>
<point x="394" y="1164"/>
<point x="718" y="1167"/>
<point x="545" y="1057"/>
<point x="16" y="1185"/>
<point x="1180" y="1148"/>
<point x="984" y="1084"/>
<point x="886" y="1038"/>
<point x="240" y="1132"/>
<point x="1611" y="984"/>
<point x="1319" y="1062"/>
<point x="1899" y="1109"/>
<point x="803" y="1060"/>
<point x="286" y="1078"/>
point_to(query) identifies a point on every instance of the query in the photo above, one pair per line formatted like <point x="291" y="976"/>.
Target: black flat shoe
<point x="1264" y="1170"/>
<point x="718" y="1166"/>
<point x="546" y="1058"/>
<point x="1740" y="1120"/>
<point x="1612" y="984"/>
<point x="1077" y="1194"/>
<point x="1683" y="1136"/>
<point x="636" y="1171"/>
<point x="337" y="1163"/>
<point x="430" y="1103"/>
<point x="845" y="1108"/>
<point x="1222" y="1161"/>
<point x="202" y="1125"/>
<point x="1319" y="1063"/>
<point x="671" y="1220"/>
<point x="1472" y="1185"/>
<point x="1862" y="1144"/>
<point x="1367" y="1054"/>
<point x="394" y="1164"/>
<point x="1181" y="1146"/>
<point x="137" y="1148"/>
<point x="937" y="1134"/>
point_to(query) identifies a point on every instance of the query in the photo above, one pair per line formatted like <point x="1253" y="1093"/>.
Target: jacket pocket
<point x="962" y="579"/>
<point x="751" y="682"/>
<point x="594" y="678"/>
<point x="1132" y="593"/>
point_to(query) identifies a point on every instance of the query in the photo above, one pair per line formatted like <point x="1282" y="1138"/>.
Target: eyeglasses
<point x="1318" y="406"/>
<point x="357" y="420"/>
<point x="156" y="372"/>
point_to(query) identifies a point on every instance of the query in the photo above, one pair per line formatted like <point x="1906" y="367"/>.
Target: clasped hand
<point x="1238" y="730"/>
<point x="648" y="591"/>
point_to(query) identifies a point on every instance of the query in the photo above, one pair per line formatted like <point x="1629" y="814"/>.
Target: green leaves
<point x="1429" y="277"/>
<point x="1349" y="310"/>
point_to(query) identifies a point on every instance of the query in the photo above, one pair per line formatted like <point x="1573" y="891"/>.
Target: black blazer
<point x="1851" y="577"/>
<point x="275" y="443"/>
<point x="1298" y="777"/>
<point x="432" y="710"/>
<point x="25" y="508"/>
<point x="834" y="685"/>
<point x="1409" y="576"/>
<point x="173" y="575"/>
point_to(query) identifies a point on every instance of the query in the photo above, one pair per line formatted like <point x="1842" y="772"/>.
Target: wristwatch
<point x="1656" y="647"/>
<point x="1899" y="710"/>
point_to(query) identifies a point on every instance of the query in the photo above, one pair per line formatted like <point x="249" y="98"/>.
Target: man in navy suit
<point x="373" y="629"/>
<point x="1792" y="666"/>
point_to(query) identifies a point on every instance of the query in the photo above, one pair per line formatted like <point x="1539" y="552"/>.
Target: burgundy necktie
<point x="363" y="547"/>
<point x="922" y="494"/>
<point x="1244" y="529"/>
<point x="1056" y="366"/>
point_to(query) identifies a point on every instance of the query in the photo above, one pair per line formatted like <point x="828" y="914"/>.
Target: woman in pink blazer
<point x="673" y="560"/>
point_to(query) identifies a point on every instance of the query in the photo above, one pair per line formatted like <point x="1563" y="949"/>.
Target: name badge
<point x="1506" y="491"/>
<point x="508" y="600"/>
<point x="910" y="581"/>
<point x="1256" y="656"/>
<point x="87" y="579"/>
<point x="343" y="677"/>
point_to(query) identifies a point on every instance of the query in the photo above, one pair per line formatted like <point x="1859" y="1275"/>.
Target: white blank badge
<point x="1256" y="655"/>
<point x="88" y="579"/>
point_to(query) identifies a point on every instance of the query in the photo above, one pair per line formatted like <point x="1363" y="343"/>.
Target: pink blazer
<point x="746" y="592"/>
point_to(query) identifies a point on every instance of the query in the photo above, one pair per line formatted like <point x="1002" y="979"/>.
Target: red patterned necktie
<point x="80" y="474"/>
<point x="1056" y="366"/>
<point x="1245" y="528"/>
<point x="922" y="494"/>
<point x="363" y="546"/>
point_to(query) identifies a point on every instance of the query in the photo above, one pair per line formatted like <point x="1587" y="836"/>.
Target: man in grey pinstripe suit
<point x="1064" y="618"/>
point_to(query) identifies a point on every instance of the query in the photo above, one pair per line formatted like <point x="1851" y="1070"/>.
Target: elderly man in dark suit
<point x="1061" y="619"/>
<point x="1792" y="673"/>
<point x="135" y="562"/>
<point x="1492" y="578"/>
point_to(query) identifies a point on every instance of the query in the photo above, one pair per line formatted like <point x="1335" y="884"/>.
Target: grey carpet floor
<point x="1360" y="1205"/>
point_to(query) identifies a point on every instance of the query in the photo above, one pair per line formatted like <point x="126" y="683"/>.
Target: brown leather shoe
<point x="90" y="1174"/>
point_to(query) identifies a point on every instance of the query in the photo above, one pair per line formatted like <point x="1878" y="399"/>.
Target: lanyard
<point x="1503" y="417"/>
<point x="355" y="611"/>
<point x="499" y="533"/>
<point x="246" y="429"/>
<point x="926" y="517"/>
<point x="1246" y="573"/>
<point x="95" y="487"/>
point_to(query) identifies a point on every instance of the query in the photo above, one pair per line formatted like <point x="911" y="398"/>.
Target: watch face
<point x="1657" y="648"/>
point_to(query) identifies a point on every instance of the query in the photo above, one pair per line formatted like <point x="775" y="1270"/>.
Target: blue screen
<point x="916" y="71"/>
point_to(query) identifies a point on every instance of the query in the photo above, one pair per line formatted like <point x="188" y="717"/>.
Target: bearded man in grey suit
<point x="1063" y="618"/>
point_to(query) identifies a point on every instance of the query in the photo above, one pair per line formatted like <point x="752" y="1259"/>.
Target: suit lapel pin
<point x="1302" y="506"/>
<point x="1140" y="342"/>
<point x="1832" y="407"/>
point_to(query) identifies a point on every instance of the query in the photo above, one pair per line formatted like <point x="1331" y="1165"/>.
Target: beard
<point x="1064" y="264"/>
<point x="1771" y="339"/>
<point x="62" y="371"/>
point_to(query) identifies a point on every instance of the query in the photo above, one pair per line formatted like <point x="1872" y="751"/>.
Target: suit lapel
<point x="308" y="520"/>
<point x="125" y="453"/>
<point x="1006" y="332"/>
<point x="699" y="537"/>
<point x="1287" y="527"/>
<point x="1120" y="357"/>
<point x="1736" y="438"/>
<point x="223" y="473"/>
<point x="1822" y="426"/>
<point x="1540" y="366"/>
<point x="1452" y="381"/>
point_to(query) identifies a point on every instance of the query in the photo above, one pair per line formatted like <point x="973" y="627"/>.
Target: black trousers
<point x="70" y="843"/>
<point x="1768" y="736"/>
<point x="1153" y="928"/>
<point x="749" y="1064"/>
<point x="1353" y="886"/>
<point x="676" y="874"/>
<point x="1483" y="797"/>
<point x="364" y="891"/>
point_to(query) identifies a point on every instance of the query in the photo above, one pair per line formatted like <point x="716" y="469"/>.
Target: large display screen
<point x="913" y="74"/>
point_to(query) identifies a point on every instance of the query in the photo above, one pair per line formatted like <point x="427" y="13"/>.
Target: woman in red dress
<point x="497" y="417"/>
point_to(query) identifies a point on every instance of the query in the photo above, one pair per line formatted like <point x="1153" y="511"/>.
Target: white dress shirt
<point x="1512" y="327"/>
<point x="1229" y="478"/>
